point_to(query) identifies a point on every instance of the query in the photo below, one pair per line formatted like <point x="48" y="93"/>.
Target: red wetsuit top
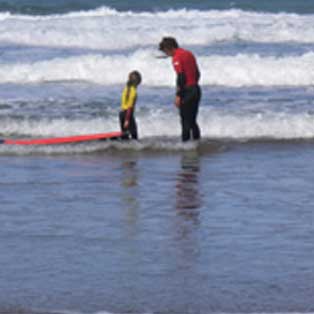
<point x="186" y="68"/>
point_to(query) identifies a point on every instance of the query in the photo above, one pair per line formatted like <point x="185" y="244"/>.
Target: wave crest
<point x="233" y="71"/>
<point x="107" y="28"/>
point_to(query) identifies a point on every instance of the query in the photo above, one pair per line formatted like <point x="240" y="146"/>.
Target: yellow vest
<point x="128" y="101"/>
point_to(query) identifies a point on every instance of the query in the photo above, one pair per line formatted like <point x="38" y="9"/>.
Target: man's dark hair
<point x="168" y="43"/>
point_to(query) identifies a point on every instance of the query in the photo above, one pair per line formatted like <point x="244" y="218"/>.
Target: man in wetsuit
<point x="188" y="93"/>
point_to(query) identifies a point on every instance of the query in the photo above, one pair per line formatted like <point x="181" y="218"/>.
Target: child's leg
<point x="122" y="116"/>
<point x="133" y="128"/>
<point x="121" y="119"/>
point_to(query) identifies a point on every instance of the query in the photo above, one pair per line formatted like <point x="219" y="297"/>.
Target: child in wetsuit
<point x="128" y="101"/>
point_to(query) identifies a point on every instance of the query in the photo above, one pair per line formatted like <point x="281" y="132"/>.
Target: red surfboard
<point x="63" y="140"/>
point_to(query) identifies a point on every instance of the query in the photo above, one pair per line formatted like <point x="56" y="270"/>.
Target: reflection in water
<point x="188" y="196"/>
<point x="129" y="174"/>
<point x="130" y="193"/>
<point x="188" y="204"/>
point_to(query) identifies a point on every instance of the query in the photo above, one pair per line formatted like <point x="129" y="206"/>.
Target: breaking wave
<point x="107" y="28"/>
<point x="232" y="71"/>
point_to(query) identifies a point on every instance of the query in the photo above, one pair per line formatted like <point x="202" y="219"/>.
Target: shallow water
<point x="183" y="232"/>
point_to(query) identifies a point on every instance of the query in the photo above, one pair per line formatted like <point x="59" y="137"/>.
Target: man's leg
<point x="195" y="128"/>
<point x="185" y="122"/>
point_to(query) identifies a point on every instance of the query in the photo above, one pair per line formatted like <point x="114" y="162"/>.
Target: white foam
<point x="233" y="71"/>
<point x="107" y="28"/>
<point x="277" y="126"/>
<point x="254" y="70"/>
<point x="57" y="127"/>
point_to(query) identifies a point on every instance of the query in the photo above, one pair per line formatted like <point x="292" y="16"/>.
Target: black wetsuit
<point x="191" y="97"/>
<point x="188" y="76"/>
<point x="132" y="129"/>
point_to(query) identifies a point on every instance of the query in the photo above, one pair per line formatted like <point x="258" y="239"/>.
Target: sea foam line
<point x="104" y="11"/>
<point x="214" y="123"/>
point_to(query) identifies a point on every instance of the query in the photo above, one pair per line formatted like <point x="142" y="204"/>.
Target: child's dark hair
<point x="135" y="78"/>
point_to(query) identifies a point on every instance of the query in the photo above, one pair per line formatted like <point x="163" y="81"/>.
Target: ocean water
<point x="156" y="226"/>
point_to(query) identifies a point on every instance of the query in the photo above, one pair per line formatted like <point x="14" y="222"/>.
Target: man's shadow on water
<point x="188" y="194"/>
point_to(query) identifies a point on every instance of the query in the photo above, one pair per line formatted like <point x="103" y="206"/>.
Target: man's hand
<point x="126" y="124"/>
<point x="178" y="101"/>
